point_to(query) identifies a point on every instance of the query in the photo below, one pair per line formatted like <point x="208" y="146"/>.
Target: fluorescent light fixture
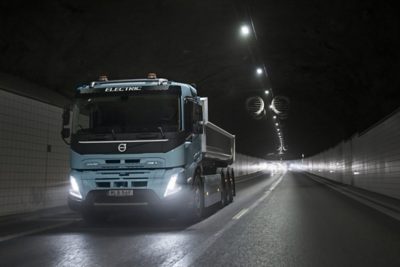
<point x="245" y="30"/>
<point x="259" y="71"/>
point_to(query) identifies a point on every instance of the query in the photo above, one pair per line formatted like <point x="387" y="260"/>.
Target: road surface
<point x="286" y="219"/>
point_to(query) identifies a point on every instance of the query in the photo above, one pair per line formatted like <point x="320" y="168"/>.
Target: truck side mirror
<point x="66" y="116"/>
<point x="198" y="127"/>
<point x="198" y="119"/>
<point x="65" y="133"/>
<point x="189" y="116"/>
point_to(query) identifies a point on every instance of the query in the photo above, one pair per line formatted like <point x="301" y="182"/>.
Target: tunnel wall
<point x="34" y="161"/>
<point x="245" y="165"/>
<point x="370" y="160"/>
<point x="33" y="158"/>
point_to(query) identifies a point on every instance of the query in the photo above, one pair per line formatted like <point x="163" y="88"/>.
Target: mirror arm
<point x="66" y="142"/>
<point x="66" y="115"/>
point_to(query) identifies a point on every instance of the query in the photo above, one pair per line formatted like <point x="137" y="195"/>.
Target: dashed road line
<point x="240" y="214"/>
<point x="191" y="257"/>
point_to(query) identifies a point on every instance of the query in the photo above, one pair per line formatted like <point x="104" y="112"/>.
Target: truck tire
<point x="198" y="209"/>
<point x="229" y="186"/>
<point x="224" y="194"/>
<point x="233" y="182"/>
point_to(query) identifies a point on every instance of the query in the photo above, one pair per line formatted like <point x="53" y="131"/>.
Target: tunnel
<point x="199" y="133"/>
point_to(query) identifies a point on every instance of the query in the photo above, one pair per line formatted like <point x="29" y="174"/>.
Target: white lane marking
<point x="191" y="257"/>
<point x="249" y="178"/>
<point x="395" y="215"/>
<point x="266" y="194"/>
<point x="277" y="182"/>
<point x="34" y="231"/>
<point x="240" y="214"/>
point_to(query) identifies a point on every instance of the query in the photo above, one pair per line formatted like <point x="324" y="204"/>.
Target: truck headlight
<point x="172" y="186"/>
<point x="74" y="190"/>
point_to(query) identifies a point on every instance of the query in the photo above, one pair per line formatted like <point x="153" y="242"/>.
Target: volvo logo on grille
<point x="122" y="148"/>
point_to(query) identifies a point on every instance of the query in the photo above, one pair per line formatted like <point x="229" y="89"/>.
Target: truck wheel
<point x="224" y="195"/>
<point x="198" y="198"/>
<point x="229" y="187"/>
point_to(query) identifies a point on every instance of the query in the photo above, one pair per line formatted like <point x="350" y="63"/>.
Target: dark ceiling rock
<point x="336" y="60"/>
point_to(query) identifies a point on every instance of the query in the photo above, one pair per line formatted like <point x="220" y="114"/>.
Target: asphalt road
<point x="284" y="220"/>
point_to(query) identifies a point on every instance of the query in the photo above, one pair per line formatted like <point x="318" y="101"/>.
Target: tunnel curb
<point x="385" y="204"/>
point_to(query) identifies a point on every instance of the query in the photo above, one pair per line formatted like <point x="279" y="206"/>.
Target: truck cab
<point x="143" y="143"/>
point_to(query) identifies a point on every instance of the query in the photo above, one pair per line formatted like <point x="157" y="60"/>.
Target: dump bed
<point x="217" y="144"/>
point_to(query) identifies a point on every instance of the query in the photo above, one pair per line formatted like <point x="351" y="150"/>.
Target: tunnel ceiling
<point x="337" y="61"/>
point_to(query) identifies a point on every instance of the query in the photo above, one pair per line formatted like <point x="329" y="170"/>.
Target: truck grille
<point x="124" y="179"/>
<point x="113" y="161"/>
<point x="120" y="184"/>
<point x="119" y="161"/>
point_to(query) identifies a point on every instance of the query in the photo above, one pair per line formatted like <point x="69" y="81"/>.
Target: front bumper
<point x="97" y="200"/>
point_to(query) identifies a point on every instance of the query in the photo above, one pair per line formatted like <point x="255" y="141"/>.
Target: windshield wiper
<point x="161" y="131"/>
<point x="113" y="134"/>
<point x="95" y="137"/>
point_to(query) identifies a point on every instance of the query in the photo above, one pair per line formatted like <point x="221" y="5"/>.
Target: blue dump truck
<point x="145" y="143"/>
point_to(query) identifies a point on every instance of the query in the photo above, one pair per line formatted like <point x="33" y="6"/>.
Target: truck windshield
<point x="126" y="114"/>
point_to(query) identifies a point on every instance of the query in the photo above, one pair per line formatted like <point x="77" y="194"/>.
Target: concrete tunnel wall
<point x="34" y="161"/>
<point x="370" y="160"/>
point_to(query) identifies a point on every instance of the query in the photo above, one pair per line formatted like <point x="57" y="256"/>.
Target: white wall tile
<point x="30" y="177"/>
<point x="375" y="155"/>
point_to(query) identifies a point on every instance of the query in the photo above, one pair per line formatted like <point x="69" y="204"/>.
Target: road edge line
<point x="380" y="208"/>
<point x="34" y="231"/>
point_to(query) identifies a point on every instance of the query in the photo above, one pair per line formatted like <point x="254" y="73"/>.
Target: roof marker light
<point x="103" y="78"/>
<point x="151" y="75"/>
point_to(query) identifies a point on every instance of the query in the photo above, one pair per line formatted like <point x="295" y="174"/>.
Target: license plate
<point x="120" y="193"/>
